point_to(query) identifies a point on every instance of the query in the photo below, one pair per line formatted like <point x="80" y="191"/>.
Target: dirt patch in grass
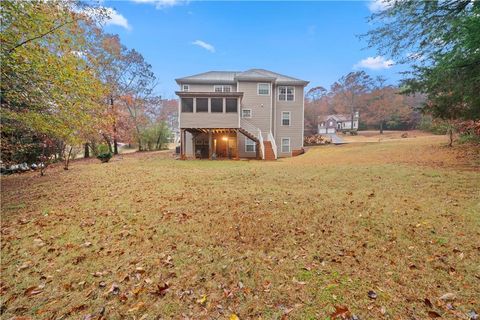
<point x="148" y="236"/>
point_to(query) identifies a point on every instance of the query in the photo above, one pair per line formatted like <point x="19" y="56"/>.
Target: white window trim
<point x="289" y="119"/>
<point x="286" y="93"/>
<point x="223" y="86"/>
<point x="289" y="145"/>
<point x="254" y="145"/>
<point x="250" y="114"/>
<point x="185" y="86"/>
<point x="263" y="94"/>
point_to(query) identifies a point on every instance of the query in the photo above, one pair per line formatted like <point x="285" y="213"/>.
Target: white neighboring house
<point x="337" y="123"/>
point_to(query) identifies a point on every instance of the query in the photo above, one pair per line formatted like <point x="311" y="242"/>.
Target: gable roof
<point x="336" y="117"/>
<point x="230" y="77"/>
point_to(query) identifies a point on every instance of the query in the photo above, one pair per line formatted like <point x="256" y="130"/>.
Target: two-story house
<point x="252" y="114"/>
<point x="338" y="123"/>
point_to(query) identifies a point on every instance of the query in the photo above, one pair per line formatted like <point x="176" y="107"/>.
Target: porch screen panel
<point x="217" y="105"/>
<point x="202" y="104"/>
<point x="231" y="105"/>
<point x="187" y="104"/>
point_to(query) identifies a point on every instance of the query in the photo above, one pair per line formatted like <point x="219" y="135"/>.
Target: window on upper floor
<point x="250" y="145"/>
<point x="246" y="113"/>
<point x="263" y="89"/>
<point x="185" y="87"/>
<point x="202" y="104"/>
<point x="222" y="88"/>
<point x="286" y="93"/>
<point x="285" y="144"/>
<point x="187" y="104"/>
<point x="231" y="105"/>
<point x="216" y="105"/>
<point x="286" y="118"/>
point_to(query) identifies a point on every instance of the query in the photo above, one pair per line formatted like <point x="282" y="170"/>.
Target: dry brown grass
<point x="293" y="238"/>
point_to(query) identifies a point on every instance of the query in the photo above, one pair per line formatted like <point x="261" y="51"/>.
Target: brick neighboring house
<point x="337" y="123"/>
<point x="252" y="114"/>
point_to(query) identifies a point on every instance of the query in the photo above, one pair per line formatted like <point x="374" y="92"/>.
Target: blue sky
<point x="314" y="41"/>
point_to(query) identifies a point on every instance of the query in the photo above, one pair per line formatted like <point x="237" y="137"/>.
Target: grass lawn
<point x="149" y="237"/>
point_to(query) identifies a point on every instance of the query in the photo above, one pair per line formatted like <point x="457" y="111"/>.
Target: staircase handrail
<point x="248" y="126"/>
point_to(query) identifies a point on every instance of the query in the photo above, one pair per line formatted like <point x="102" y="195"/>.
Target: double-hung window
<point x="249" y="145"/>
<point x="286" y="118"/>
<point x="263" y="89"/>
<point x="246" y="113"/>
<point x="285" y="145"/>
<point x="222" y="88"/>
<point x="286" y="93"/>
<point x="185" y="87"/>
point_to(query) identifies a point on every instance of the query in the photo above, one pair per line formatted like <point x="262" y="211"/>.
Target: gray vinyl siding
<point x="295" y="130"/>
<point x="261" y="115"/>
<point x="205" y="87"/>
<point x="208" y="120"/>
<point x="241" y="148"/>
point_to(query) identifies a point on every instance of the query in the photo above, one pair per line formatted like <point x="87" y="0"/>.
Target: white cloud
<point x="204" y="45"/>
<point x="117" y="19"/>
<point x="377" y="5"/>
<point x="375" y="63"/>
<point x="160" y="4"/>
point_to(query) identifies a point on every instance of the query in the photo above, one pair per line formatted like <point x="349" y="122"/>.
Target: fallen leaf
<point x="233" y="316"/>
<point x="472" y="315"/>
<point x="114" y="289"/>
<point x="372" y="294"/>
<point x="428" y="303"/>
<point x="137" y="307"/>
<point x="341" y="312"/>
<point x="434" y="314"/>
<point x="202" y="300"/>
<point x="161" y="290"/>
<point x="448" y="297"/>
<point x="32" y="291"/>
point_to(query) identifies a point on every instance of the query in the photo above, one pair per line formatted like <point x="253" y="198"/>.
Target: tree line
<point x="380" y="105"/>
<point x="66" y="83"/>
<point x="440" y="41"/>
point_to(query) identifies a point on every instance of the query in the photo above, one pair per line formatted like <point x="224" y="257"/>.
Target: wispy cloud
<point x="161" y="4"/>
<point x="377" y="5"/>
<point x="117" y="19"/>
<point x="204" y="45"/>
<point x="375" y="63"/>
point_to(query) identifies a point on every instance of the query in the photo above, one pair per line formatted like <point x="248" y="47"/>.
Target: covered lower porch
<point x="216" y="143"/>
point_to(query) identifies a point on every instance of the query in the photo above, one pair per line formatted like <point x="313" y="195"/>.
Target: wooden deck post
<point x="237" y="157"/>
<point x="182" y="143"/>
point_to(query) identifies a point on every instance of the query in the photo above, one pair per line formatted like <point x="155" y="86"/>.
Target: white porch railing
<point x="253" y="130"/>
<point x="260" y="142"/>
<point x="274" y="144"/>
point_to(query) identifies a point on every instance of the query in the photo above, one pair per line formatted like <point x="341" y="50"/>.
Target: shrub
<point x="104" y="157"/>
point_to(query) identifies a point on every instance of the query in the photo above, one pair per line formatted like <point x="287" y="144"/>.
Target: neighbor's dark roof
<point x="230" y="77"/>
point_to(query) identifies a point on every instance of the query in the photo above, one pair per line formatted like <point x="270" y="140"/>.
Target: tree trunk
<point x="86" y="153"/>
<point x="108" y="143"/>
<point x="115" y="142"/>
<point x="450" y="136"/>
<point x="381" y="127"/>
<point x="67" y="159"/>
